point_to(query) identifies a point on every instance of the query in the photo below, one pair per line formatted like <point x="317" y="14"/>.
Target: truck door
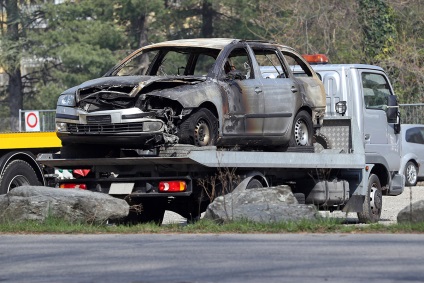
<point x="379" y="135"/>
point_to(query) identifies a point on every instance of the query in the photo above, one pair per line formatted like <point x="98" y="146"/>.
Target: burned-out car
<point x="223" y="92"/>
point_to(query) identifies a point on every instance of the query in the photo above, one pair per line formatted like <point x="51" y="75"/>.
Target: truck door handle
<point x="258" y="90"/>
<point x="293" y="89"/>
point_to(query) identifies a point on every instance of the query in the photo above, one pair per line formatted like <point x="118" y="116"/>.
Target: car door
<point x="279" y="91"/>
<point x="244" y="95"/>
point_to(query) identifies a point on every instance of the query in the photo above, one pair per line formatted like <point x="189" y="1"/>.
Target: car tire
<point x="17" y="173"/>
<point x="411" y="174"/>
<point x="199" y="129"/>
<point x="302" y="130"/>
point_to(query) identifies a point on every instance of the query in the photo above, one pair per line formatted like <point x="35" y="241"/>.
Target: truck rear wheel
<point x="17" y="173"/>
<point x="254" y="184"/>
<point x="371" y="210"/>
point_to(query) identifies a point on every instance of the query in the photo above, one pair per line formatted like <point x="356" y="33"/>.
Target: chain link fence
<point x="412" y="113"/>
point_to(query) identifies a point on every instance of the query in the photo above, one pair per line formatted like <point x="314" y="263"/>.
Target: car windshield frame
<point x="162" y="55"/>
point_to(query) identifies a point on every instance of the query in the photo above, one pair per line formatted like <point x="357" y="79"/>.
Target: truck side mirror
<point x="392" y="109"/>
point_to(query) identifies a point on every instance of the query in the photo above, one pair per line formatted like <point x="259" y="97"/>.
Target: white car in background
<point x="412" y="153"/>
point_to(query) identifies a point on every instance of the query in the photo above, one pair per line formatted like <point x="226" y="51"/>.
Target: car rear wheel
<point x="199" y="129"/>
<point x="411" y="174"/>
<point x="302" y="130"/>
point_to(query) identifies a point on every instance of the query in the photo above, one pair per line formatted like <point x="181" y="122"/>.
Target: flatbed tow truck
<point x="333" y="179"/>
<point x="355" y="160"/>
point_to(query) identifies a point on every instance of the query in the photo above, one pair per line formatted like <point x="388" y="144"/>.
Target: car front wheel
<point x="199" y="129"/>
<point x="302" y="130"/>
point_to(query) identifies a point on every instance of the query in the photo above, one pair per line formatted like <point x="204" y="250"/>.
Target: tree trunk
<point x="207" y="19"/>
<point x="14" y="88"/>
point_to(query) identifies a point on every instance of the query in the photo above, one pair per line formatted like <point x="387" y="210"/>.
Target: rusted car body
<point x="200" y="92"/>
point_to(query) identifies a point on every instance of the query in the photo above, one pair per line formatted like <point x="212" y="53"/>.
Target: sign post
<point x="32" y="121"/>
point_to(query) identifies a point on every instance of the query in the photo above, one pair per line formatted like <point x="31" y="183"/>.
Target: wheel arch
<point x="25" y="156"/>
<point x="258" y="176"/>
<point x="383" y="175"/>
<point x="211" y="107"/>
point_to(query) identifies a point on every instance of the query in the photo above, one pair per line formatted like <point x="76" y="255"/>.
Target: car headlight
<point x="66" y="100"/>
<point x="61" y="127"/>
<point x="152" y="126"/>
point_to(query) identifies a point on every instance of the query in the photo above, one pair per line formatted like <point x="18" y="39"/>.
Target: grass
<point x="57" y="226"/>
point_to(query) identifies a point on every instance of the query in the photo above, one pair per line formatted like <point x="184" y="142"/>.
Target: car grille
<point x="105" y="129"/>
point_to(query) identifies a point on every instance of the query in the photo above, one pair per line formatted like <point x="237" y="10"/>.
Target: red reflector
<point x="73" y="186"/>
<point x="316" y="58"/>
<point x="172" y="186"/>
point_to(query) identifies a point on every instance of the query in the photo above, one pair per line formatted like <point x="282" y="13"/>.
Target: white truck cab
<point x="364" y="93"/>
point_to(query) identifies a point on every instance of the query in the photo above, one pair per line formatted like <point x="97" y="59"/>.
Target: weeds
<point x="58" y="226"/>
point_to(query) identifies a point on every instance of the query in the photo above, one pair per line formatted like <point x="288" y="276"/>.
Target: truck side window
<point x="269" y="63"/>
<point x="375" y="89"/>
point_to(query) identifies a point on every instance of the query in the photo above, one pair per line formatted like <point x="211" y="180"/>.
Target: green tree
<point x="77" y="43"/>
<point x="378" y="27"/>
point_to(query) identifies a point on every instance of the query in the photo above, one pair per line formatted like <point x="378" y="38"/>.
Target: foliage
<point x="75" y="41"/>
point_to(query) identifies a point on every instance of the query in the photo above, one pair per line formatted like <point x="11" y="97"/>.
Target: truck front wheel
<point x="17" y="173"/>
<point x="371" y="210"/>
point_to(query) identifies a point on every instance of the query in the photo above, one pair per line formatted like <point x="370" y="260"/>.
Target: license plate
<point x="121" y="188"/>
<point x="100" y="119"/>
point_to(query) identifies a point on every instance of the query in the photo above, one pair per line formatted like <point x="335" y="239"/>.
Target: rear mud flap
<point x="355" y="204"/>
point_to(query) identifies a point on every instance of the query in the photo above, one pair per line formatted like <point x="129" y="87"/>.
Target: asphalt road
<point x="245" y="258"/>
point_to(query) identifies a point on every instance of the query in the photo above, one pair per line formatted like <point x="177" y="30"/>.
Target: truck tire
<point x="254" y="184"/>
<point x="302" y="130"/>
<point x="199" y="129"/>
<point x="151" y="210"/>
<point x="371" y="209"/>
<point x="17" y="173"/>
<point x="411" y="174"/>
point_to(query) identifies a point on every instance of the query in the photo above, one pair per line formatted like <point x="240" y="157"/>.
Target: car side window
<point x="237" y="65"/>
<point x="415" y="135"/>
<point x="293" y="60"/>
<point x="270" y="64"/>
<point x="376" y="89"/>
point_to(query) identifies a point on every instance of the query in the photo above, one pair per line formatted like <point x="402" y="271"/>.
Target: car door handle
<point x="258" y="90"/>
<point x="293" y="89"/>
